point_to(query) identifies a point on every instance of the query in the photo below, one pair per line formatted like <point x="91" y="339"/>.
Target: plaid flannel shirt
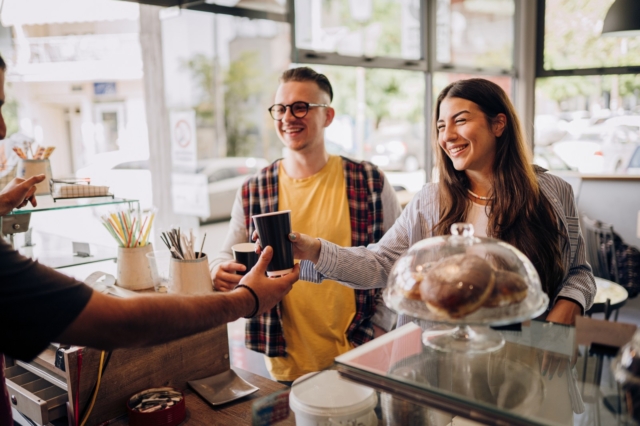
<point x="364" y="184"/>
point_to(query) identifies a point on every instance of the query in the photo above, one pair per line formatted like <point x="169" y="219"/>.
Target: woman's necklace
<point x="473" y="194"/>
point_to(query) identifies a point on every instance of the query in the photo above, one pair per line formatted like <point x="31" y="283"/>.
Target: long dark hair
<point x="520" y="214"/>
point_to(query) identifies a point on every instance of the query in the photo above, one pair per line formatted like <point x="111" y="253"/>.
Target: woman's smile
<point x="456" y="150"/>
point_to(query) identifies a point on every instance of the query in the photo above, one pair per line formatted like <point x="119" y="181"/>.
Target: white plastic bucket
<point x="325" y="399"/>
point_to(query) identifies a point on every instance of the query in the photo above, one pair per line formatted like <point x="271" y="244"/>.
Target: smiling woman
<point x="487" y="179"/>
<point x="484" y="151"/>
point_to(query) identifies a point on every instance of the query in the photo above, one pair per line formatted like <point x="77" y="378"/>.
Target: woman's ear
<point x="499" y="124"/>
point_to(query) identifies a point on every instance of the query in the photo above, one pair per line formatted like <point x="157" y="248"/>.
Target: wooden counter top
<point x="234" y="413"/>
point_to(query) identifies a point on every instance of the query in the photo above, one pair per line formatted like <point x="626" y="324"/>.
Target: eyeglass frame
<point x="308" y="105"/>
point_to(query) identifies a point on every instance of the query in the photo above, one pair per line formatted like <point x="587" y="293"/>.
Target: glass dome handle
<point x="462" y="229"/>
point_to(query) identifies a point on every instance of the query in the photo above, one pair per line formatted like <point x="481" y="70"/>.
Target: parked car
<point x="633" y="166"/>
<point x="620" y="143"/>
<point x="132" y="179"/>
<point x="225" y="176"/>
<point x="394" y="147"/>
<point x="125" y="173"/>
<point x="603" y="148"/>
<point x="545" y="157"/>
<point x="549" y="129"/>
<point x="584" y="156"/>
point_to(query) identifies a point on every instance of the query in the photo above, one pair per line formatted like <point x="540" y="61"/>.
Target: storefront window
<point x="379" y="116"/>
<point x="588" y="124"/>
<point x="475" y="33"/>
<point x="369" y="28"/>
<point x="572" y="38"/>
<point x="231" y="66"/>
<point x="441" y="80"/>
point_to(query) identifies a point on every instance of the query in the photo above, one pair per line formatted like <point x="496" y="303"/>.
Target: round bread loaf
<point x="509" y="288"/>
<point x="457" y="286"/>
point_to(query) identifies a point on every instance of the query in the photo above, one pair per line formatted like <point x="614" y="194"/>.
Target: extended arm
<point x="366" y="267"/>
<point x="108" y="322"/>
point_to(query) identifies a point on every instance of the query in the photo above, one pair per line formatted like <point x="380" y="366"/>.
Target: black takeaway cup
<point x="245" y="253"/>
<point x="273" y="230"/>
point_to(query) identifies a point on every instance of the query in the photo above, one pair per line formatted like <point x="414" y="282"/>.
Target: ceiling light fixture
<point x="623" y="19"/>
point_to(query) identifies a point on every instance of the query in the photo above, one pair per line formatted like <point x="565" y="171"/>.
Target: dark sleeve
<point x="37" y="303"/>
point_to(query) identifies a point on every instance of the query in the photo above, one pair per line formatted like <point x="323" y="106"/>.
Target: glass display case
<point x="539" y="377"/>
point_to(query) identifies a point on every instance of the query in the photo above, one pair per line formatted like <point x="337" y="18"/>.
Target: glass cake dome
<point x="460" y="281"/>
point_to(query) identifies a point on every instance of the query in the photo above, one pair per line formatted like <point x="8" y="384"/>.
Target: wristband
<point x="255" y="297"/>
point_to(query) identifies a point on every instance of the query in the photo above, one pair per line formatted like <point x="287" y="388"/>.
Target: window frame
<point x="427" y="63"/>
<point x="540" y="43"/>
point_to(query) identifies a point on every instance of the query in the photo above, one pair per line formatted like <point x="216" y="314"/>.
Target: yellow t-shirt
<point x="315" y="317"/>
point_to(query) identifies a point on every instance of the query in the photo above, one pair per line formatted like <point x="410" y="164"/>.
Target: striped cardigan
<point x="417" y="221"/>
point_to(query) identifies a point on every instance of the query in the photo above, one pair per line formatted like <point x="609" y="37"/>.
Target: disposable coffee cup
<point x="245" y="253"/>
<point x="273" y="230"/>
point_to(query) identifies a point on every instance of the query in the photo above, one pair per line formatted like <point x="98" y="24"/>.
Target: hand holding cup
<point x="304" y="246"/>
<point x="224" y="275"/>
<point x="274" y="229"/>
<point x="269" y="291"/>
<point x="227" y="275"/>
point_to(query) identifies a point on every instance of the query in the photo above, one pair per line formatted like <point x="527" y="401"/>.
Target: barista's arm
<point x="108" y="322"/>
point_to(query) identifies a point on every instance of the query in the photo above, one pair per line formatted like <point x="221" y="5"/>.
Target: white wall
<point x="615" y="201"/>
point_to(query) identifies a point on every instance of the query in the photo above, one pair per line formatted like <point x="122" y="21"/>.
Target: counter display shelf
<point x="50" y="248"/>
<point x="420" y="385"/>
<point x="46" y="203"/>
<point x="57" y="252"/>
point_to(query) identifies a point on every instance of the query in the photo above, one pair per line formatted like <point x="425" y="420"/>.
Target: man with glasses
<point x="338" y="199"/>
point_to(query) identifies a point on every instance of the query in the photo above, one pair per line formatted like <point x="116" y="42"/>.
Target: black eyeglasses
<point x="298" y="109"/>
